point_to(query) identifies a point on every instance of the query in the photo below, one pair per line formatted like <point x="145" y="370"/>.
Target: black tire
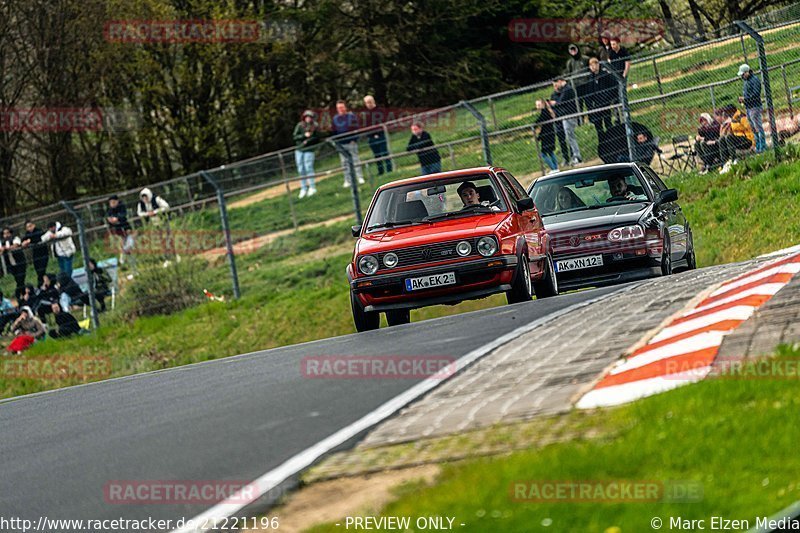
<point x="364" y="320"/>
<point x="548" y="285"/>
<point x="666" y="258"/>
<point x="398" y="317"/>
<point x="691" y="257"/>
<point x="521" y="288"/>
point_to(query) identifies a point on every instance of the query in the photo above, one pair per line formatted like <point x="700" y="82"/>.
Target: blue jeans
<point x="432" y="168"/>
<point x="305" y="167"/>
<point x="65" y="264"/>
<point x="550" y="159"/>
<point x="377" y="144"/>
<point x="754" y="117"/>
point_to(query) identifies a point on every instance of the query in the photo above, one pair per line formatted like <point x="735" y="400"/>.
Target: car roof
<point x="442" y="175"/>
<point x="578" y="171"/>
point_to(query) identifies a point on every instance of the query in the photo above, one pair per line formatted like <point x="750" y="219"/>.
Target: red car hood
<point x="440" y="231"/>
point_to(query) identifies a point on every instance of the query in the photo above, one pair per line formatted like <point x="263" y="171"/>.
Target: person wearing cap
<point x="306" y="138"/>
<point x="751" y="98"/>
<point x="565" y="105"/>
<point x="376" y="138"/>
<point x="707" y="142"/>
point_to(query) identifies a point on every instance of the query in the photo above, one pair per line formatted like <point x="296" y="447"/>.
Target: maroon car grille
<point x="576" y="240"/>
<point x="432" y="253"/>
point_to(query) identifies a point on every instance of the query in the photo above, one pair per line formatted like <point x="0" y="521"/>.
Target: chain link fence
<point x="222" y="225"/>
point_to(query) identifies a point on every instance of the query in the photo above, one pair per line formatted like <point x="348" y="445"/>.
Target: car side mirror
<point x="356" y="230"/>
<point x="525" y="204"/>
<point x="666" y="196"/>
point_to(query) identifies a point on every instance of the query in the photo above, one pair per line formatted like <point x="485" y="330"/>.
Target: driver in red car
<point x="470" y="196"/>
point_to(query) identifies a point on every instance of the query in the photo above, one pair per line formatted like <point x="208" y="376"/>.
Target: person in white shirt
<point x="63" y="245"/>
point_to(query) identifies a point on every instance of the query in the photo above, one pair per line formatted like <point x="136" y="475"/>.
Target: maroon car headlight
<point x="368" y="265"/>
<point x="626" y="233"/>
<point x="487" y="246"/>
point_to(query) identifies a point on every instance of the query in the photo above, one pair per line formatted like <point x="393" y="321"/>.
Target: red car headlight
<point x="368" y="265"/>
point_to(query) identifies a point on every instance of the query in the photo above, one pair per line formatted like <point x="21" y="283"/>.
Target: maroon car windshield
<point x="433" y="200"/>
<point x="589" y="190"/>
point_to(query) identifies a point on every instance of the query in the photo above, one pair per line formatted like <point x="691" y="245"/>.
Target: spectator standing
<point x="14" y="257"/>
<point x="707" y="142"/>
<point x="605" y="46"/>
<point x="599" y="91"/>
<point x="751" y="98"/>
<point x="151" y="207"/>
<point x="734" y="134"/>
<point x="422" y="143"/>
<point x="344" y="122"/>
<point x="118" y="224"/>
<point x="377" y="137"/>
<point x="576" y="65"/>
<point x="66" y="322"/>
<point x="63" y="245"/>
<point x="619" y="58"/>
<point x="48" y="294"/>
<point x="560" y="135"/>
<point x="27" y="330"/>
<point x="306" y="137"/>
<point x="564" y="106"/>
<point x="101" y="283"/>
<point x="39" y="252"/>
<point x="546" y="134"/>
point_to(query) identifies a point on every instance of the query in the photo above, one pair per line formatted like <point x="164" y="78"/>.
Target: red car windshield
<point x="435" y="200"/>
<point x="588" y="190"/>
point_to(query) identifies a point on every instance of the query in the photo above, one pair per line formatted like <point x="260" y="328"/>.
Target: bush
<point x="164" y="287"/>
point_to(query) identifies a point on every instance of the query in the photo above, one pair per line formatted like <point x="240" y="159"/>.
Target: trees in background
<point x="170" y="108"/>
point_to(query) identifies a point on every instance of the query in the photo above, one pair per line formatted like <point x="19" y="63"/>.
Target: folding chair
<point x="682" y="157"/>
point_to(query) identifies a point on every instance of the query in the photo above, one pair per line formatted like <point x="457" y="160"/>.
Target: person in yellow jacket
<point x="735" y="134"/>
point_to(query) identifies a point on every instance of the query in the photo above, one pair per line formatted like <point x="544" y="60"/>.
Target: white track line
<point x="740" y="312"/>
<point x="701" y="341"/>
<point x="788" y="268"/>
<point x="268" y="481"/>
<point x="627" y="392"/>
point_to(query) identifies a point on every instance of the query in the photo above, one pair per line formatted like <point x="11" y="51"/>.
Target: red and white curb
<point x="684" y="351"/>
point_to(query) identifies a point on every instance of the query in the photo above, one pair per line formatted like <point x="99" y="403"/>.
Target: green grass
<point x="733" y="438"/>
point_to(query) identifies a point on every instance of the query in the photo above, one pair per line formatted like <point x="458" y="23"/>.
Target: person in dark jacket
<point x="48" y="294"/>
<point x="67" y="324"/>
<point x="69" y="292"/>
<point x="707" y="142"/>
<point x="599" y="91"/>
<point x="14" y="257"/>
<point x="605" y="46"/>
<point x="421" y="142"/>
<point x="306" y="137"/>
<point x="30" y="297"/>
<point x="39" y="252"/>
<point x="377" y="138"/>
<point x="546" y="134"/>
<point x="118" y="224"/>
<point x="619" y="58"/>
<point x="751" y="98"/>
<point x="565" y="105"/>
<point x="101" y="283"/>
<point x="575" y="67"/>
<point x="344" y="122"/>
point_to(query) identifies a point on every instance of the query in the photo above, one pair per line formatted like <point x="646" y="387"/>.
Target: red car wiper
<point x="467" y="210"/>
<point x="394" y="224"/>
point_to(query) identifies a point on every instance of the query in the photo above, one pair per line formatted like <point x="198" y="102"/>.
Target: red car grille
<point x="431" y="253"/>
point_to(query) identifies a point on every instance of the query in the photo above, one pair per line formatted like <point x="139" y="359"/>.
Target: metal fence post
<point x="622" y="86"/>
<point x="226" y="230"/>
<point x="487" y="151"/>
<point x="494" y="112"/>
<point x="85" y="252"/>
<point x="744" y="49"/>
<point x="350" y="168"/>
<point x="388" y="145"/>
<point x="788" y="90"/>
<point x="713" y="99"/>
<point x="658" y="80"/>
<point x="288" y="190"/>
<point x="762" y="61"/>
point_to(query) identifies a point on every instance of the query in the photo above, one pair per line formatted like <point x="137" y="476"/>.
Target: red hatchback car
<point x="445" y="238"/>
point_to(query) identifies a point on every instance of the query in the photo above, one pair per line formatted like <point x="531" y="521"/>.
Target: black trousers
<point x="730" y="143"/>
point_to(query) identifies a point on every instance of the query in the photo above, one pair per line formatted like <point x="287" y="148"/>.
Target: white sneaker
<point x="302" y="193"/>
<point x="311" y="191"/>
<point x="575" y="161"/>
<point x="346" y="185"/>
<point x="726" y="167"/>
<point x="552" y="172"/>
<point x="361" y="181"/>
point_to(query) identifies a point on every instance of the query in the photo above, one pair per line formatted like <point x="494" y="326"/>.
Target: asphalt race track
<point x="231" y="419"/>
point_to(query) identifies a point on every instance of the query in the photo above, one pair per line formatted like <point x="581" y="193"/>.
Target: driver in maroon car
<point x="619" y="189"/>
